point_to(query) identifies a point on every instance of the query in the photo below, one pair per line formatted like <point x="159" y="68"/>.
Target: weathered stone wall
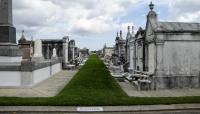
<point x="10" y="78"/>
<point x="139" y="57"/>
<point x="180" y="64"/>
<point x="151" y="58"/>
<point x="41" y="74"/>
<point x="55" y="69"/>
<point x="19" y="77"/>
<point x="181" y="58"/>
<point x="132" y="56"/>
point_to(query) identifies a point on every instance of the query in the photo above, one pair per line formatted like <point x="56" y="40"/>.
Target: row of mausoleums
<point x="64" y="49"/>
<point x="166" y="54"/>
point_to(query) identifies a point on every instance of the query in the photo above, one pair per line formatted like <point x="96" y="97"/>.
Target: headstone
<point x="54" y="53"/>
<point x="38" y="51"/>
<point x="38" y="48"/>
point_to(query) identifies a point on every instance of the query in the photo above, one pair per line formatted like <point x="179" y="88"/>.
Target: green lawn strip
<point x="93" y="86"/>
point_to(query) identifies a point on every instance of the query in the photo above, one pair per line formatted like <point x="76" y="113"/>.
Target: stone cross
<point x="6" y="12"/>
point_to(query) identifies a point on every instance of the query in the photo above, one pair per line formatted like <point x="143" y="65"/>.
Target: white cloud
<point x="124" y="27"/>
<point x="55" y="18"/>
<point x="185" y="10"/>
<point x="88" y="18"/>
<point x="34" y="15"/>
<point x="178" y="10"/>
<point x="189" y="17"/>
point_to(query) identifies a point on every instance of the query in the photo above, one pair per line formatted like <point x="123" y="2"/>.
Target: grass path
<point x="93" y="85"/>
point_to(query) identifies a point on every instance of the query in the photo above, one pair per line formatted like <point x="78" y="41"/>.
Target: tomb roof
<point x="177" y="27"/>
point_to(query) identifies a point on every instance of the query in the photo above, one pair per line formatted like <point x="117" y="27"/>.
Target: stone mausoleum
<point x="168" y="50"/>
<point x="173" y="52"/>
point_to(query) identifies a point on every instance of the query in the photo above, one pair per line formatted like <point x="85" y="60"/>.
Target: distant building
<point x="98" y="52"/>
<point x="84" y="53"/>
<point x="65" y="49"/>
<point x="108" y="51"/>
<point x="49" y="44"/>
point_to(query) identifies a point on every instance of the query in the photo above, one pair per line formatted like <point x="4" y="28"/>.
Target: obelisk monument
<point x="8" y="47"/>
<point x="7" y="31"/>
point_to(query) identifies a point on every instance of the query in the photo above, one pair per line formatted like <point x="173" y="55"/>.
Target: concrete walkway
<point x="48" y="88"/>
<point x="144" y="109"/>
<point x="133" y="92"/>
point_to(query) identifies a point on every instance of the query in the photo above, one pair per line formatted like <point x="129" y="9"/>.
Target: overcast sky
<point x="92" y="23"/>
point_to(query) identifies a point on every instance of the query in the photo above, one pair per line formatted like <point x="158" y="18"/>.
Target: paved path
<point x="48" y="88"/>
<point x="133" y="92"/>
<point x="142" y="109"/>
